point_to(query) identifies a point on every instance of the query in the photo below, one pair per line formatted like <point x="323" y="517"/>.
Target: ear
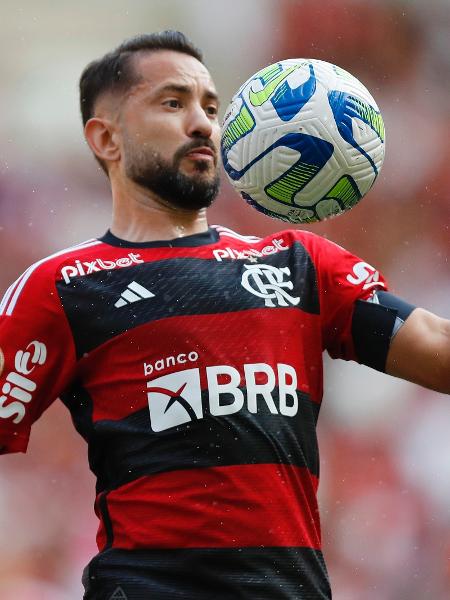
<point x="100" y="135"/>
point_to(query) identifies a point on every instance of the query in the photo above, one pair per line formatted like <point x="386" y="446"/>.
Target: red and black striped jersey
<point x="193" y="369"/>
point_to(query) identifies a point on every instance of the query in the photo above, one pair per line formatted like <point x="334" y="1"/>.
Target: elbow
<point x="441" y="379"/>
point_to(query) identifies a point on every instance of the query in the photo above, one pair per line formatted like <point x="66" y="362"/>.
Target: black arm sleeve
<point x="374" y="324"/>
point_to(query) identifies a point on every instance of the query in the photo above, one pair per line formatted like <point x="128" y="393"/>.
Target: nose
<point x="199" y="124"/>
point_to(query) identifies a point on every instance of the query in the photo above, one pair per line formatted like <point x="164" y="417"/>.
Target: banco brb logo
<point x="268" y="282"/>
<point x="176" y="398"/>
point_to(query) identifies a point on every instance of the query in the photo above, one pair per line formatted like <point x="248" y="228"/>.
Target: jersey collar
<point x="210" y="236"/>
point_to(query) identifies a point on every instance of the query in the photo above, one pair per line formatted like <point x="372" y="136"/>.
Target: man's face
<point x="169" y="130"/>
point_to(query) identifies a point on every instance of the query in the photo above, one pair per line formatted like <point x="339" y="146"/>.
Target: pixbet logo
<point x="277" y="245"/>
<point x="176" y="398"/>
<point x="363" y="272"/>
<point x="18" y="385"/>
<point x="86" y="268"/>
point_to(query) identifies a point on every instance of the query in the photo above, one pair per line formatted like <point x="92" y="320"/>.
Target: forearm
<point x="420" y="352"/>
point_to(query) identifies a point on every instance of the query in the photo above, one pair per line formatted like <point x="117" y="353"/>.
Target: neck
<point x="140" y="216"/>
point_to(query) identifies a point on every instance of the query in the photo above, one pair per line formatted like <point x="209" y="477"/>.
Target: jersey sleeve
<point x="37" y="356"/>
<point x="342" y="279"/>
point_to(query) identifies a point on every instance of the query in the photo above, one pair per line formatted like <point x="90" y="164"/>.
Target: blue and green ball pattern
<point x="314" y="152"/>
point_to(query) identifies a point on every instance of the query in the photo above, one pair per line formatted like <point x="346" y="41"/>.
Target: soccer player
<point x="189" y="356"/>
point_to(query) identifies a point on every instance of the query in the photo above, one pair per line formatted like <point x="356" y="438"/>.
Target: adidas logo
<point x="133" y="293"/>
<point x="118" y="594"/>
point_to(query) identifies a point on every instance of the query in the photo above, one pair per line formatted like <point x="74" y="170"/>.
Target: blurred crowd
<point x="385" y="444"/>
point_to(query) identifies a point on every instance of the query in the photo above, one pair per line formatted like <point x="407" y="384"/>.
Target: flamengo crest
<point x="268" y="282"/>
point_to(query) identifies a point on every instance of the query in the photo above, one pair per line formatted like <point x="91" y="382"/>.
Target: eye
<point x="172" y="103"/>
<point x="211" y="110"/>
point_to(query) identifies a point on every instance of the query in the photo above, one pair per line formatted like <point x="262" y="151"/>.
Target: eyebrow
<point x="184" y="89"/>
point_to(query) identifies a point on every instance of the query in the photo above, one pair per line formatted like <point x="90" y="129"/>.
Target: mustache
<point x="196" y="143"/>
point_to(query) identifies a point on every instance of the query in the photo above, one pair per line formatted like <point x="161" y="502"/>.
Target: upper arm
<point x="37" y="356"/>
<point x="420" y="351"/>
<point x="342" y="280"/>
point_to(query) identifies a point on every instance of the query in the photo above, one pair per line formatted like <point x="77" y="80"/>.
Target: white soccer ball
<point x="302" y="140"/>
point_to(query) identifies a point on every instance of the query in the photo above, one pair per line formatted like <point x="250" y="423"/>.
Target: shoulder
<point x="330" y="260"/>
<point x="40" y="277"/>
<point x="280" y="240"/>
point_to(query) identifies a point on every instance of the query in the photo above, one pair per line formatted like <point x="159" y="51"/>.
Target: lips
<point x="201" y="153"/>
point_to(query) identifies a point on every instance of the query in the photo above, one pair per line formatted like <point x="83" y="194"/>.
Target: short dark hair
<point x="114" y="72"/>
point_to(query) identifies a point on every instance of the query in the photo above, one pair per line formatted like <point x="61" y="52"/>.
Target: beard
<point x="146" y="167"/>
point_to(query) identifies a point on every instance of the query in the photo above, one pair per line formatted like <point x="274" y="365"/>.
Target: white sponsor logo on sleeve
<point x="365" y="273"/>
<point x="18" y="384"/>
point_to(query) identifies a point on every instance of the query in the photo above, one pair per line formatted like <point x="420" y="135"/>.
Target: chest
<point x="107" y="304"/>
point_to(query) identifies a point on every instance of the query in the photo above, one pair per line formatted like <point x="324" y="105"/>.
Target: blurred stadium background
<point x="385" y="444"/>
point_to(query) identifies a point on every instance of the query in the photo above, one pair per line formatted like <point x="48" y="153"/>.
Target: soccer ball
<point x="302" y="140"/>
